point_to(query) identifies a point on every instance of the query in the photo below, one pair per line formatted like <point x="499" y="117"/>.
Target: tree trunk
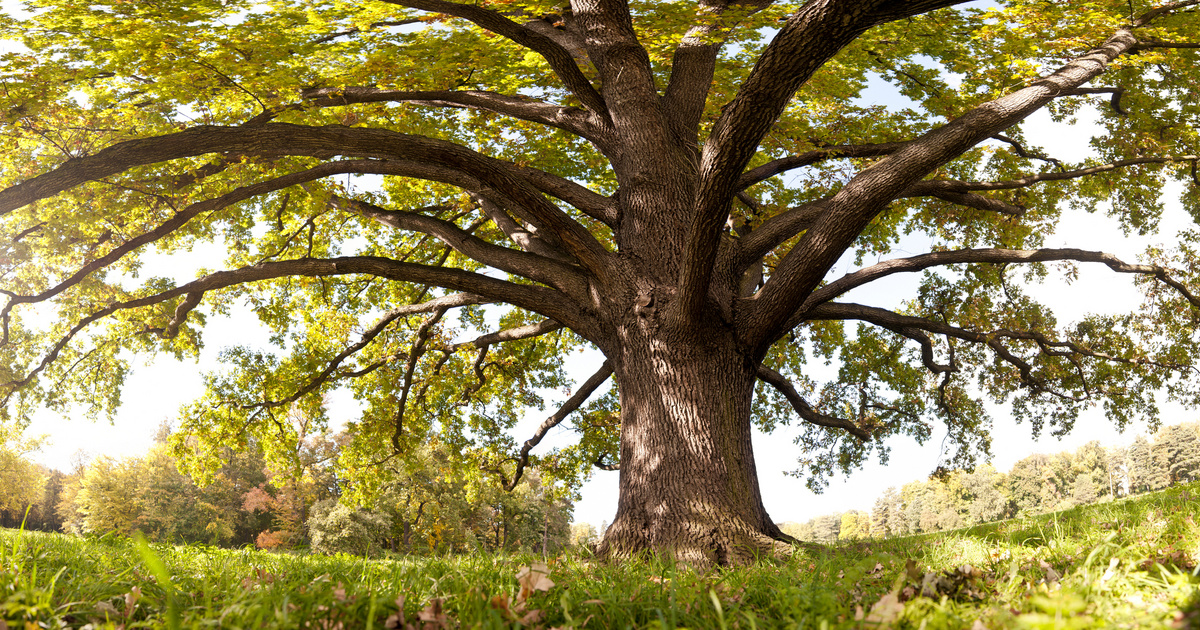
<point x="688" y="485"/>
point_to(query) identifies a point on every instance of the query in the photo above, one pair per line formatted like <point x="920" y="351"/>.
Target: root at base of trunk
<point x="694" y="547"/>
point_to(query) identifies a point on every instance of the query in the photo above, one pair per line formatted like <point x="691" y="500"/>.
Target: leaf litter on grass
<point x="1127" y="564"/>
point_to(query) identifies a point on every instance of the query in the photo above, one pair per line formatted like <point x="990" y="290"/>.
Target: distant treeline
<point x="422" y="505"/>
<point x="1039" y="483"/>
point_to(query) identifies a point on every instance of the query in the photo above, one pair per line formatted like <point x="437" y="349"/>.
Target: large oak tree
<point x="432" y="202"/>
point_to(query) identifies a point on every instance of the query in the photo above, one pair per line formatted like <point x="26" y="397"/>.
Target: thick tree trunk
<point x="688" y="483"/>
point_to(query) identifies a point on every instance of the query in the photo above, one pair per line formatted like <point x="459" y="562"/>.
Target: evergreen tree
<point x="1182" y="447"/>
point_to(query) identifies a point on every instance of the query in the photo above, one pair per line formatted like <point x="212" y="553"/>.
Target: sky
<point x="158" y="388"/>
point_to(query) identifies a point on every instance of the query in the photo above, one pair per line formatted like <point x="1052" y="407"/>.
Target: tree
<point x="1182" y="447"/>
<point x="985" y="502"/>
<point x="1025" y="483"/>
<point x="608" y="175"/>
<point x="1141" y="466"/>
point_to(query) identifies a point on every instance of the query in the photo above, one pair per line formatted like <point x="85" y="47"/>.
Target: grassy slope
<point x="1124" y="564"/>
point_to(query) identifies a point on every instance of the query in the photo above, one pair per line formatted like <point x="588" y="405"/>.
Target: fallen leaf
<point x="131" y="599"/>
<point x="106" y="609"/>
<point x="396" y="619"/>
<point x="532" y="617"/>
<point x="535" y="577"/>
<point x="886" y="610"/>
<point x="433" y="614"/>
<point x="1052" y="576"/>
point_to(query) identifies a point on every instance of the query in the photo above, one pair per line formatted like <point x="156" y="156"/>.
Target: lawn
<point x="1126" y="564"/>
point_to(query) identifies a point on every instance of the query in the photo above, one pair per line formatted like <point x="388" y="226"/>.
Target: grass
<point x="1127" y="564"/>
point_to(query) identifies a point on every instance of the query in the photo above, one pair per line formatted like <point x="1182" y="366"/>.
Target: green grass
<point x="1128" y="564"/>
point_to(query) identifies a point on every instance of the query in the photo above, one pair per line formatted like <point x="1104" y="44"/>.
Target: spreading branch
<point x="560" y="59"/>
<point x="806" y="41"/>
<point x="869" y="192"/>
<point x="987" y="256"/>
<point x="570" y="119"/>
<point x="806" y="412"/>
<point x="322" y="142"/>
<point x="532" y="298"/>
<point x="578" y="398"/>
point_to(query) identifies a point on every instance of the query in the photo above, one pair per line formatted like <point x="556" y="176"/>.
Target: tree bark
<point x="688" y="485"/>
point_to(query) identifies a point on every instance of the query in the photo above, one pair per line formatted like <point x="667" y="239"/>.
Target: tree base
<point x="694" y="545"/>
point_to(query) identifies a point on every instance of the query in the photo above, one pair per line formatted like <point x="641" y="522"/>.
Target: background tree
<point x="1182" y="447"/>
<point x="1025" y="483"/>
<point x="22" y="482"/>
<point x="1141" y="465"/>
<point x="609" y="172"/>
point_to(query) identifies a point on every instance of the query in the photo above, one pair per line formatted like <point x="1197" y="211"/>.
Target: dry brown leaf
<point x="433" y="614"/>
<point x="1052" y="576"/>
<point x="106" y="609"/>
<point x="886" y="610"/>
<point x="131" y="599"/>
<point x="532" y="617"/>
<point x="396" y="619"/>
<point x="535" y="577"/>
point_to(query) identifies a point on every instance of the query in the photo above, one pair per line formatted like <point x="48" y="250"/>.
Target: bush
<point x="337" y="528"/>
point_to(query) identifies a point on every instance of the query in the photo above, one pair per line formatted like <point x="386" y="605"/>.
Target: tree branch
<point x="569" y="119"/>
<point x="990" y="256"/>
<point x="410" y="368"/>
<point x="808" y="39"/>
<point x="695" y="60"/>
<point x="369" y="335"/>
<point x="560" y="59"/>
<point x="322" y="142"/>
<point x="578" y="398"/>
<point x="181" y="217"/>
<point x="808" y="158"/>
<point x="806" y="412"/>
<point x="869" y="192"/>
<point x="532" y="298"/>
<point x="547" y="271"/>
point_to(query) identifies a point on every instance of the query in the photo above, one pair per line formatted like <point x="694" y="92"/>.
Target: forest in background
<point x="422" y="506"/>
<point x="1037" y="484"/>
<point x="428" y="507"/>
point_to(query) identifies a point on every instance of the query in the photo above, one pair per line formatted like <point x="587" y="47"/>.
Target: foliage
<point x="433" y="204"/>
<point x="1036" y="484"/>
<point x="1129" y="563"/>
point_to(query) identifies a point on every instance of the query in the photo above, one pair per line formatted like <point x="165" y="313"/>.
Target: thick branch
<point x="181" y="217"/>
<point x="569" y="119"/>
<point x="578" y="398"/>
<point x="537" y="299"/>
<point x="806" y="412"/>
<point x="695" y="60"/>
<point x="860" y="200"/>
<point x="510" y="334"/>
<point x="808" y="39"/>
<point x="808" y="158"/>
<point x="545" y="270"/>
<point x="276" y="138"/>
<point x="559" y="58"/>
<point x="989" y="256"/>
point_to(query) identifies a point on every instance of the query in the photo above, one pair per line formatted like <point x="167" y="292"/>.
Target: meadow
<point x="1125" y="564"/>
